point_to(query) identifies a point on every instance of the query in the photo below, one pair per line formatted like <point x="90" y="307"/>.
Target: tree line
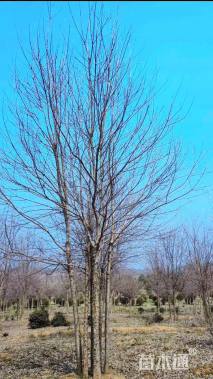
<point x="178" y="268"/>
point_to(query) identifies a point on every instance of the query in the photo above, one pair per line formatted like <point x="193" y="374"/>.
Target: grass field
<point x="48" y="353"/>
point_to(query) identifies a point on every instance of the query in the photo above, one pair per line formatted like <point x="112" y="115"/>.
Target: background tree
<point x="167" y="264"/>
<point x="200" y="252"/>
<point x="126" y="286"/>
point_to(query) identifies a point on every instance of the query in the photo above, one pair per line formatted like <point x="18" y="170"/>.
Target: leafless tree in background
<point x="8" y="233"/>
<point x="156" y="277"/>
<point x="200" y="252"/>
<point x="167" y="263"/>
<point x="4" y="275"/>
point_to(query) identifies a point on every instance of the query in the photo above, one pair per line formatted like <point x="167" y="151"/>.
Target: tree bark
<point x="75" y="313"/>
<point x="207" y="314"/>
<point x="85" y="367"/>
<point x="107" y="310"/>
<point x="94" y="302"/>
<point x="101" y="285"/>
<point x="174" y="306"/>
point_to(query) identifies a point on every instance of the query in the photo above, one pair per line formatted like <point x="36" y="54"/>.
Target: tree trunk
<point x="101" y="314"/>
<point x="170" y="312"/>
<point x="76" y="319"/>
<point x="174" y="306"/>
<point x="207" y="314"/>
<point x="85" y="368"/>
<point x="107" y="310"/>
<point x="158" y="303"/>
<point x="94" y="302"/>
<point x="70" y="270"/>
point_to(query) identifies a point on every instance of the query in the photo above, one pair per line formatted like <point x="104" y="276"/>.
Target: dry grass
<point x="149" y="375"/>
<point x="145" y="329"/>
<point x="5" y="357"/>
<point x="150" y="329"/>
<point x="47" y="374"/>
<point x="130" y="337"/>
<point x="109" y="375"/>
<point x="203" y="371"/>
<point x="113" y="376"/>
<point x="51" y="332"/>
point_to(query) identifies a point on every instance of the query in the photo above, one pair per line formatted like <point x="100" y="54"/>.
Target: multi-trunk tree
<point x="88" y="161"/>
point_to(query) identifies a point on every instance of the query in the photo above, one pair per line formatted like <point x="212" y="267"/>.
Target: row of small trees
<point x="181" y="265"/>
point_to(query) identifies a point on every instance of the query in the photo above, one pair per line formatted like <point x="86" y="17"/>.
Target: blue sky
<point x="173" y="38"/>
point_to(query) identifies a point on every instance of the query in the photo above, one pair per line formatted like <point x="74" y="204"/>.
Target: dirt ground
<point x="182" y="349"/>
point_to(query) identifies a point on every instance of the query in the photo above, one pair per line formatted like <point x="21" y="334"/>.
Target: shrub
<point x="152" y="309"/>
<point x="140" y="310"/>
<point x="154" y="299"/>
<point x="157" y="318"/>
<point x="60" y="301"/>
<point x="177" y="310"/>
<point x="39" y="319"/>
<point x="162" y="310"/>
<point x="140" y="300"/>
<point x="124" y="300"/>
<point x="45" y="303"/>
<point x="59" y="320"/>
<point x="180" y="297"/>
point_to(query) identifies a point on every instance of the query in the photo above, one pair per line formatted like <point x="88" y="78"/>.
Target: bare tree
<point x="126" y="285"/>
<point x="126" y="168"/>
<point x="200" y="252"/>
<point x="37" y="167"/>
<point x="88" y="160"/>
<point x="8" y="231"/>
<point x="155" y="277"/>
<point x="167" y="265"/>
<point x="4" y="276"/>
